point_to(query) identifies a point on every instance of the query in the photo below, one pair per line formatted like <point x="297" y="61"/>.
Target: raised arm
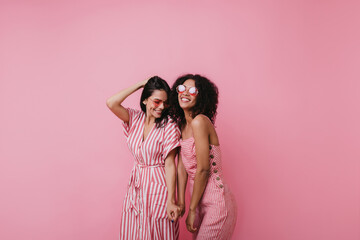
<point x="114" y="102"/>
<point x="200" y="128"/>
<point x="182" y="177"/>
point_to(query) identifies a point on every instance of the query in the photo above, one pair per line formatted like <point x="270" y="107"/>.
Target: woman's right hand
<point x="142" y="83"/>
<point x="114" y="103"/>
<point x="190" y="221"/>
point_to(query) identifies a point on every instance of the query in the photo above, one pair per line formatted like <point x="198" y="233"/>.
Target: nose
<point x="186" y="92"/>
<point x="161" y="105"/>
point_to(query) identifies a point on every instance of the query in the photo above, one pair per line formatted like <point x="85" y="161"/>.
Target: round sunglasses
<point x="193" y="91"/>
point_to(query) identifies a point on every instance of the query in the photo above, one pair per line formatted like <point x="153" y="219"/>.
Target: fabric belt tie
<point x="134" y="183"/>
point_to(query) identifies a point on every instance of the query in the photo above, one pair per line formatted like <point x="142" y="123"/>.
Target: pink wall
<point x="288" y="74"/>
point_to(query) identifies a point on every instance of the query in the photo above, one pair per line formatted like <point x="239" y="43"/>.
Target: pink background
<point x="288" y="74"/>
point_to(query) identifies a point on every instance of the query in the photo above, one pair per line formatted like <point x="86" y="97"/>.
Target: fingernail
<point x="172" y="220"/>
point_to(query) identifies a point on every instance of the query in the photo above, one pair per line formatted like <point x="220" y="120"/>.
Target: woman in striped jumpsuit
<point x="149" y="210"/>
<point x="212" y="210"/>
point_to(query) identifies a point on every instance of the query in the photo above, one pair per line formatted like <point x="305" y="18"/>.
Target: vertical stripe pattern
<point x="217" y="211"/>
<point x="144" y="210"/>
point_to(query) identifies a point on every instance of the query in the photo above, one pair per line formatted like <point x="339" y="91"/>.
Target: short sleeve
<point x="172" y="137"/>
<point x="133" y="115"/>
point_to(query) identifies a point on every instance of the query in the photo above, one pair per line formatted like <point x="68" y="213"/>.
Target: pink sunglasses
<point x="193" y="91"/>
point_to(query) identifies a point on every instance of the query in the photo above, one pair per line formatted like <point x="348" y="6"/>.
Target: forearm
<point x="182" y="180"/>
<point x="119" y="97"/>
<point x="170" y="177"/>
<point x="200" y="126"/>
<point x="200" y="181"/>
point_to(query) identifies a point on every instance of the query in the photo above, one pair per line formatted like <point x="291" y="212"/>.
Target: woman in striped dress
<point x="149" y="210"/>
<point x="212" y="210"/>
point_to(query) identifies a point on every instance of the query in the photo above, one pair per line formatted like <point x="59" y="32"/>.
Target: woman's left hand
<point x="173" y="211"/>
<point x="190" y="221"/>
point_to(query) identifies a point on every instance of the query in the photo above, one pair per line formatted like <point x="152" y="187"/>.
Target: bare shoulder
<point x="201" y="122"/>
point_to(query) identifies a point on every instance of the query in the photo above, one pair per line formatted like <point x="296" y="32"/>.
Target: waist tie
<point x="134" y="183"/>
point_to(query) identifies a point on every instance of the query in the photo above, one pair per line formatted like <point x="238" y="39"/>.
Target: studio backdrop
<point x="288" y="115"/>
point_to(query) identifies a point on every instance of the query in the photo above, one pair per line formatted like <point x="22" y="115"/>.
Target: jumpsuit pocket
<point x="157" y="200"/>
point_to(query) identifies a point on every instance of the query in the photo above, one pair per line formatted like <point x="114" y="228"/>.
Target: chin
<point x="157" y="115"/>
<point x="185" y="105"/>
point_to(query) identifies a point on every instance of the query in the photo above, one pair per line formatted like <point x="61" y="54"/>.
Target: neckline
<point x="192" y="137"/>
<point x="143" y="130"/>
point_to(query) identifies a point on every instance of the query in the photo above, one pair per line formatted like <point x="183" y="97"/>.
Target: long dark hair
<point x="155" y="83"/>
<point x="206" y="100"/>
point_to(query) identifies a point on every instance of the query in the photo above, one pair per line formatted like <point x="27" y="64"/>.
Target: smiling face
<point x="186" y="100"/>
<point x="156" y="103"/>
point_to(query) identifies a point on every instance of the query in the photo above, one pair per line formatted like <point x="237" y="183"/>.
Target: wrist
<point x="192" y="209"/>
<point x="143" y="83"/>
<point x="140" y="85"/>
<point x="171" y="201"/>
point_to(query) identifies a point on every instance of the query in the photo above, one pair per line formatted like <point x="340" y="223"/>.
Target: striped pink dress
<point x="144" y="211"/>
<point x="216" y="213"/>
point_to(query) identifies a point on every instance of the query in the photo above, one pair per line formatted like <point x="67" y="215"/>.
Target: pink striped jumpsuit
<point x="144" y="210"/>
<point x="216" y="212"/>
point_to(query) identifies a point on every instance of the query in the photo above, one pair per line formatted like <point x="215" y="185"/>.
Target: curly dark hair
<point x="206" y="100"/>
<point x="155" y="83"/>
